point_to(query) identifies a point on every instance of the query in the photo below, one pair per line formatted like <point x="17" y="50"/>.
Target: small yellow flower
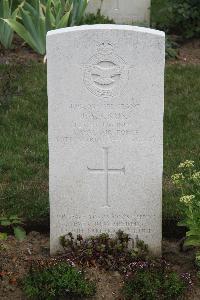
<point x="196" y="176"/>
<point x="177" y="178"/>
<point x="187" y="199"/>
<point x="187" y="164"/>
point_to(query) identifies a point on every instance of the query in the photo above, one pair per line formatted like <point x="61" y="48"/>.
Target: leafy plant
<point x="109" y="253"/>
<point x="78" y="10"/>
<point x="14" y="223"/>
<point x="188" y="182"/>
<point x="181" y="17"/>
<point x="185" y="15"/>
<point x="154" y="280"/>
<point x="160" y="14"/>
<point x="6" y="32"/>
<point x="36" y="18"/>
<point x="58" y="280"/>
<point x="3" y="236"/>
<point x="97" y="18"/>
<point x="198" y="260"/>
<point x="170" y="48"/>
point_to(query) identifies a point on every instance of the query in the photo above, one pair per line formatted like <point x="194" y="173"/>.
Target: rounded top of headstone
<point x="107" y="27"/>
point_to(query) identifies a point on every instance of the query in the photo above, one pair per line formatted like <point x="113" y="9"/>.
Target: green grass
<point x="23" y="137"/>
<point x="23" y="142"/>
<point x="181" y="127"/>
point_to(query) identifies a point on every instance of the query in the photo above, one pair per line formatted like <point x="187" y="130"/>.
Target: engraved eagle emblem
<point x="105" y="76"/>
<point x="105" y="73"/>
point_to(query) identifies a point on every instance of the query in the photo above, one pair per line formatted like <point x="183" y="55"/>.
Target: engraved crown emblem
<point x="105" y="48"/>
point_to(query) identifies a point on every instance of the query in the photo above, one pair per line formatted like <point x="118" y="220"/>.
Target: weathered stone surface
<point x="105" y="89"/>
<point x="122" y="11"/>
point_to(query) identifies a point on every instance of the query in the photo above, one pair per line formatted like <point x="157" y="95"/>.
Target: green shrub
<point x="98" y="18"/>
<point x="185" y="17"/>
<point x="160" y="14"/>
<point x="154" y="280"/>
<point x="181" y="17"/>
<point x="170" y="48"/>
<point x="54" y="281"/>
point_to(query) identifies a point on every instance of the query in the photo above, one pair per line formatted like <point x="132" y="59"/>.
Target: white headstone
<point x="105" y="90"/>
<point x="122" y="11"/>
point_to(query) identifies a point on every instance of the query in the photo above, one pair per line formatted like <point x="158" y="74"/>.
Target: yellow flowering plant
<point x="187" y="180"/>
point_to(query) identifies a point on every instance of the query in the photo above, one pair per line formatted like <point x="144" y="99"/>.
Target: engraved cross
<point x="106" y="171"/>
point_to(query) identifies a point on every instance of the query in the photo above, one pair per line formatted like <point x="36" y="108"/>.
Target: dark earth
<point x="16" y="257"/>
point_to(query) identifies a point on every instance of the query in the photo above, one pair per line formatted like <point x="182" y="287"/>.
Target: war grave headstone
<point x="122" y="11"/>
<point x="106" y="104"/>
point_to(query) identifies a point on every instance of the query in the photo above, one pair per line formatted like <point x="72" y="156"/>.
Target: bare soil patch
<point x="16" y="257"/>
<point x="188" y="53"/>
<point x="19" y="54"/>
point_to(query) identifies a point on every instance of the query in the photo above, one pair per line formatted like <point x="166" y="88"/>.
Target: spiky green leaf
<point x="20" y="233"/>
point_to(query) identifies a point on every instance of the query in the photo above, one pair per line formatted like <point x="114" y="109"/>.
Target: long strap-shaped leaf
<point x="50" y="19"/>
<point x="36" y="19"/>
<point x="27" y="21"/>
<point x="64" y="20"/>
<point x="79" y="7"/>
<point x="34" y="25"/>
<point x="6" y="33"/>
<point x="24" y="34"/>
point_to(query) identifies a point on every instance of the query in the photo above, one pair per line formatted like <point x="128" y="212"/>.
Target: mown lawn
<point x="23" y="142"/>
<point x="181" y="127"/>
<point x="23" y="137"/>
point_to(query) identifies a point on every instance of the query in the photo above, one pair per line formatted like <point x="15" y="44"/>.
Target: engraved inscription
<point x="136" y="224"/>
<point x="106" y="170"/>
<point x="93" y="122"/>
<point x="106" y="74"/>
